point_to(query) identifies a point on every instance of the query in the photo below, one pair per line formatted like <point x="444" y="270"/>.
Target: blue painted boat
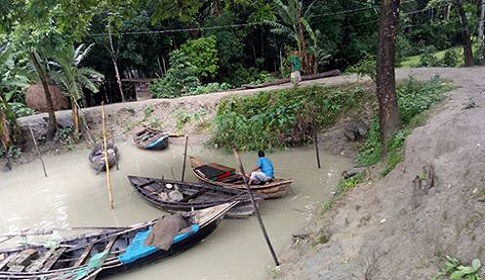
<point x="151" y="139"/>
<point x="105" y="251"/>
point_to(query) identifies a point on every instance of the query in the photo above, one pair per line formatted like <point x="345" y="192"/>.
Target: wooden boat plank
<point x="84" y="255"/>
<point x="53" y="259"/>
<point x="7" y="260"/>
<point x="39" y="263"/>
<point x="24" y="257"/>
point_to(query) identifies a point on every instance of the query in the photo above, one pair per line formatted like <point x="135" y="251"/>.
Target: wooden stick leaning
<point x="185" y="156"/>
<point x="108" y="178"/>
<point x="268" y="242"/>
<point x="38" y="151"/>
<point x="316" y="147"/>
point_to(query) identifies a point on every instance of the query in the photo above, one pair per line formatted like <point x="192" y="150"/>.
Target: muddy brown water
<point x="73" y="195"/>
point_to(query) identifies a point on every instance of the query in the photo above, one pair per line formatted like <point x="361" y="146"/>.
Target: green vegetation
<point x="414" y="97"/>
<point x="455" y="270"/>
<point x="281" y="118"/>
<point x="430" y="57"/>
<point x="184" y="118"/>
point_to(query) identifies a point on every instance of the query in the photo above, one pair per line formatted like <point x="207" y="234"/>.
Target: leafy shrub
<point x="416" y="96"/>
<point x="262" y="77"/>
<point x="371" y="152"/>
<point x="455" y="270"/>
<point x="450" y="59"/>
<point x="210" y="87"/>
<point x="14" y="152"/>
<point x="427" y="59"/>
<point x="179" y="79"/>
<point x="279" y="118"/>
<point x="395" y="151"/>
<point x="202" y="54"/>
<point x="366" y="66"/>
<point x="20" y="109"/>
<point x="66" y="136"/>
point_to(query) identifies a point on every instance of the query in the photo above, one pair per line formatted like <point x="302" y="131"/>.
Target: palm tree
<point x="73" y="78"/>
<point x="293" y="24"/>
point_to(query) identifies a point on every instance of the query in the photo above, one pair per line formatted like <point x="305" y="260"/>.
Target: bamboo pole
<point x="316" y="147"/>
<point x="261" y="224"/>
<point x="185" y="156"/>
<point x="108" y="178"/>
<point x="38" y="151"/>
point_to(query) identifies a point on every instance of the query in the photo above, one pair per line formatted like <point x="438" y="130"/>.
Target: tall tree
<point x="467" y="43"/>
<point x="389" y="120"/>
<point x="35" y="25"/>
<point x="480" y="31"/>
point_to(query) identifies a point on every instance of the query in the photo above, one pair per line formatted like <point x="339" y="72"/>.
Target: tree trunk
<point x="467" y="44"/>
<point x="113" y="58"/>
<point x="307" y="70"/>
<point x="386" y="81"/>
<point x="480" y="31"/>
<point x="52" y="123"/>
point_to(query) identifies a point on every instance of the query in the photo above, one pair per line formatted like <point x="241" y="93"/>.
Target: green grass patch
<point x="414" y="98"/>
<point x="415" y="60"/>
<point x="281" y="118"/>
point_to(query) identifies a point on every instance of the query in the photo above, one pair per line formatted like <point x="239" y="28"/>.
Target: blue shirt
<point x="266" y="166"/>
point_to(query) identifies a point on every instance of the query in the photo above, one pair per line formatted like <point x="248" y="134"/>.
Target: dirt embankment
<point x="390" y="228"/>
<point x="189" y="115"/>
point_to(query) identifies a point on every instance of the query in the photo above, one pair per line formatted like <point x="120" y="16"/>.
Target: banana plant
<point x="73" y="78"/>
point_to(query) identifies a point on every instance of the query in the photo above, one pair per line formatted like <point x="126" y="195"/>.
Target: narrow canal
<point x="73" y="195"/>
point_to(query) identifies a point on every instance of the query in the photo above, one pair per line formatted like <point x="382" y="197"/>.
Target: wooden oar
<point x="268" y="242"/>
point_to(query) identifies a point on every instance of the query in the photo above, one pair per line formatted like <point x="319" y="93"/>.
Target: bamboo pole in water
<point x="108" y="178"/>
<point x="316" y="147"/>
<point x="38" y="151"/>
<point x="261" y="224"/>
<point x="185" y="156"/>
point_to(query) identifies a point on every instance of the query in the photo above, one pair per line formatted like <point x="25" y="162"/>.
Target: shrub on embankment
<point x="281" y="118"/>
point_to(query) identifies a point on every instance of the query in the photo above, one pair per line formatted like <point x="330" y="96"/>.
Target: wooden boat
<point x="107" y="251"/>
<point x="225" y="176"/>
<point x="151" y="139"/>
<point x="174" y="196"/>
<point x="96" y="157"/>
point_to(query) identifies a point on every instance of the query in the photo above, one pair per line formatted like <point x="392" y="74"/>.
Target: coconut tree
<point x="294" y="24"/>
<point x="72" y="78"/>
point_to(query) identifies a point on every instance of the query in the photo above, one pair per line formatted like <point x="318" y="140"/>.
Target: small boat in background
<point x="96" y="157"/>
<point x="101" y="252"/>
<point x="175" y="196"/>
<point x="151" y="139"/>
<point x="224" y="176"/>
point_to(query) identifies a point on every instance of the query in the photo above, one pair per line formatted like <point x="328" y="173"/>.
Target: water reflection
<point x="73" y="195"/>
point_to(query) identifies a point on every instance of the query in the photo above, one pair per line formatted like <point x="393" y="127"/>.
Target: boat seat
<point x="7" y="260"/>
<point x="84" y="255"/>
<point x="53" y="259"/>
<point x="39" y="262"/>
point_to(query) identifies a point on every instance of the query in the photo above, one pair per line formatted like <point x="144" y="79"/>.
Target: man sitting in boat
<point x="263" y="171"/>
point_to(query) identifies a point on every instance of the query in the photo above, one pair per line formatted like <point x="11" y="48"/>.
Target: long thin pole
<point x="106" y="162"/>
<point x="185" y="156"/>
<point x="38" y="151"/>
<point x="268" y="242"/>
<point x="316" y="147"/>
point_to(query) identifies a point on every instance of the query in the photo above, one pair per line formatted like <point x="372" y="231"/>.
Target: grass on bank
<point x="281" y="118"/>
<point x="417" y="60"/>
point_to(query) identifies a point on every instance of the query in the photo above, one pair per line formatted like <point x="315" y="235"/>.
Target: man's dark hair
<point x="260" y="153"/>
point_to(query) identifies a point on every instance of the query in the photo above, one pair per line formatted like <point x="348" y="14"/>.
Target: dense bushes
<point x="280" y="118"/>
